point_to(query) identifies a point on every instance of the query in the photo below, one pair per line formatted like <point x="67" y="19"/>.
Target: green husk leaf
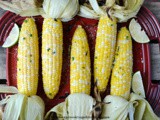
<point x="8" y="89"/>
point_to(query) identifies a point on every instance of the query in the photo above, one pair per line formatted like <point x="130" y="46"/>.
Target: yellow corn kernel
<point x="122" y="70"/>
<point x="104" y="51"/>
<point x="80" y="71"/>
<point x="52" y="43"/>
<point x="28" y="58"/>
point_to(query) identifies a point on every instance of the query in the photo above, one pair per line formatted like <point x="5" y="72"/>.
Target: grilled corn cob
<point x="80" y="73"/>
<point x="104" y="51"/>
<point x="52" y="42"/>
<point x="28" y="58"/>
<point x="122" y="70"/>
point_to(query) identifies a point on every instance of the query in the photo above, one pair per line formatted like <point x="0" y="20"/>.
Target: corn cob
<point x="104" y="51"/>
<point x="28" y="58"/>
<point x="122" y="70"/>
<point x="80" y="71"/>
<point x="52" y="42"/>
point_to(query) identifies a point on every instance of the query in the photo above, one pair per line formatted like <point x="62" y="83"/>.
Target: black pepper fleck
<point x="86" y="53"/>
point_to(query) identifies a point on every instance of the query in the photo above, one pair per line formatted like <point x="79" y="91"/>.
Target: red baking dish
<point x="141" y="54"/>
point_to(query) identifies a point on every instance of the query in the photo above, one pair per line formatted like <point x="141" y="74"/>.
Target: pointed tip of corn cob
<point x="80" y="73"/>
<point x="122" y="70"/>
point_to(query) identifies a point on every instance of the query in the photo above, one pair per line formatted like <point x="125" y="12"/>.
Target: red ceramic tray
<point x="141" y="53"/>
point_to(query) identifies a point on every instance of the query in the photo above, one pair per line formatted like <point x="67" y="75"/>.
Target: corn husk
<point x="8" y="89"/>
<point x="23" y="7"/>
<point x="143" y="109"/>
<point x="118" y="109"/>
<point x="21" y="107"/>
<point x="129" y="9"/>
<point x="136" y="108"/>
<point x="76" y="106"/>
<point x="64" y="9"/>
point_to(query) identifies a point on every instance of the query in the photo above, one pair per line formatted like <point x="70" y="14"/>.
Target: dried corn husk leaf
<point x="87" y="13"/>
<point x="23" y="7"/>
<point x="143" y="110"/>
<point x="34" y="108"/>
<point x="136" y="108"/>
<point x="96" y="7"/>
<point x="129" y="9"/>
<point x="118" y="109"/>
<point x="76" y="106"/>
<point x="14" y="104"/>
<point x="64" y="9"/>
<point x="8" y="89"/>
<point x="21" y="107"/>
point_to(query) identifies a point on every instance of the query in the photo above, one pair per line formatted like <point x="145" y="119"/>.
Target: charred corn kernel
<point x="28" y="58"/>
<point x="122" y="70"/>
<point x="52" y="42"/>
<point x="80" y="71"/>
<point x="104" y="51"/>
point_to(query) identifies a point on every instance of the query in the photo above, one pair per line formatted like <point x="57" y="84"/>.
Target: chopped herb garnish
<point x="111" y="24"/>
<point x="30" y="55"/>
<point x="127" y="37"/>
<point x="50" y="94"/>
<point x="30" y="35"/>
<point x="30" y="60"/>
<point x="25" y="21"/>
<point x="17" y="59"/>
<point x="55" y="19"/>
<point x="48" y="49"/>
<point x="24" y="38"/>
<point x="72" y="58"/>
<point x="95" y="57"/>
<point x="83" y="67"/>
<point x="19" y="69"/>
